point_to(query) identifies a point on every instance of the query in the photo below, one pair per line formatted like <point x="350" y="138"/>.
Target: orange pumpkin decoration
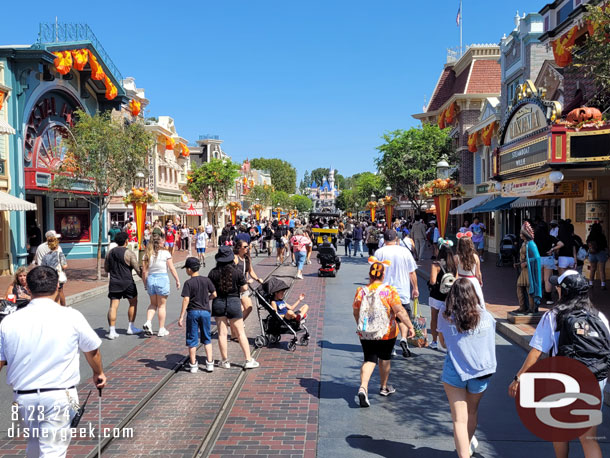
<point x="584" y="114"/>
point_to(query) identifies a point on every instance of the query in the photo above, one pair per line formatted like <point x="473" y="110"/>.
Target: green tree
<point x="592" y="57"/>
<point x="305" y="182"/>
<point x="283" y="174"/>
<point x="103" y="157"/>
<point x="318" y="175"/>
<point x="339" y="181"/>
<point x="261" y="192"/>
<point x="210" y="183"/>
<point x="301" y="203"/>
<point x="281" y="198"/>
<point x="346" y="201"/>
<point x="408" y="158"/>
<point x="368" y="183"/>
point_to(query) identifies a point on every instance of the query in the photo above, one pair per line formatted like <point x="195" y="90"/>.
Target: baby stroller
<point x="274" y="324"/>
<point x="7" y="307"/>
<point x="329" y="261"/>
<point x="509" y="250"/>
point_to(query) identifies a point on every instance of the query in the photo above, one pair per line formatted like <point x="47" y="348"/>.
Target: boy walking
<point x="196" y="295"/>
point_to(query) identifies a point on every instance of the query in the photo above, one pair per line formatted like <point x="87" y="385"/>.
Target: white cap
<point x="52" y="234"/>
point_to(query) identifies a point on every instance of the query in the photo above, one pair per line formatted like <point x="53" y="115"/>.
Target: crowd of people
<point x="548" y="257"/>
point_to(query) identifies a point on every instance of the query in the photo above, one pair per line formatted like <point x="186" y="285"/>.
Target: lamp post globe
<point x="442" y="168"/>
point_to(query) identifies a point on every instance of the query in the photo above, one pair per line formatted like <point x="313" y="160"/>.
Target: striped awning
<point x="524" y="202"/>
<point x="6" y="128"/>
<point x="12" y="203"/>
<point x="170" y="209"/>
<point x="468" y="206"/>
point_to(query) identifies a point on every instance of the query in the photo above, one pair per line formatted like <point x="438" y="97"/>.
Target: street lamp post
<point x="442" y="201"/>
<point x="442" y="168"/>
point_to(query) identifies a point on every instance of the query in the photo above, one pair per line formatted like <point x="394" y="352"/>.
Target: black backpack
<point x="584" y="337"/>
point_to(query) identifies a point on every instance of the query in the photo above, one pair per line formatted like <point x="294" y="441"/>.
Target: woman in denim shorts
<point x="469" y="334"/>
<point x="545" y="242"/>
<point x="157" y="261"/>
<point x="598" y="253"/>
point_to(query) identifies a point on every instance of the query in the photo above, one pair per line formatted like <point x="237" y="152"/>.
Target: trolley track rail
<point x="213" y="432"/>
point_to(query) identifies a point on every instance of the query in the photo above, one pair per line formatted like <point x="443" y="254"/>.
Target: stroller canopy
<point x="273" y="285"/>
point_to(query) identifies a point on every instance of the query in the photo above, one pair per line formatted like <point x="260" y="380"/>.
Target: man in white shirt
<point x="401" y="273"/>
<point x="44" y="247"/>
<point x="40" y="346"/>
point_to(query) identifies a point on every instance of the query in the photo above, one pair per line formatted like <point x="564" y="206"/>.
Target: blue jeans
<point x="357" y="247"/>
<point x="198" y="327"/>
<point x="299" y="259"/>
<point x="348" y="247"/>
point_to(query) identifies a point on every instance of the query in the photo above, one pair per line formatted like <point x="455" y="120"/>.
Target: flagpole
<point x="461" y="22"/>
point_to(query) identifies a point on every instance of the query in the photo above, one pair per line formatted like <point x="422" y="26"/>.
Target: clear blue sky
<point x="314" y="82"/>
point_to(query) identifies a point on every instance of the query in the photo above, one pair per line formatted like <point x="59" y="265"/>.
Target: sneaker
<point x="147" y="328"/>
<point x="363" y="398"/>
<point x="112" y="335"/>
<point x="293" y="264"/>
<point x="225" y="364"/>
<point x="193" y="368"/>
<point x="209" y="366"/>
<point x="163" y="332"/>
<point x="309" y="261"/>
<point x="252" y="364"/>
<point x="300" y="276"/>
<point x="433" y="345"/>
<point x="474" y="444"/>
<point x="394" y="352"/>
<point x="405" y="348"/>
<point x="133" y="330"/>
<point x="481" y="259"/>
<point x="387" y="390"/>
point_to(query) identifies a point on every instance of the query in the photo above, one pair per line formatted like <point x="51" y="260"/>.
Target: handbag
<point x="421" y="329"/>
<point x="582" y="253"/>
<point x="62" y="277"/>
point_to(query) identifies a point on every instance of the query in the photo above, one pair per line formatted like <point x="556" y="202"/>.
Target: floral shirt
<point x="389" y="297"/>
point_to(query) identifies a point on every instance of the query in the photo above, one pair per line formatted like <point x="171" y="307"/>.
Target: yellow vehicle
<point x="319" y="234"/>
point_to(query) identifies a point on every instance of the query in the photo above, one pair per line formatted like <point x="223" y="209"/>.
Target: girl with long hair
<point x="574" y="297"/>
<point x="469" y="334"/>
<point x="469" y="264"/>
<point x="379" y="350"/>
<point x="156" y="262"/>
<point x="19" y="287"/>
<point x="243" y="263"/>
<point x="444" y="264"/>
<point x="226" y="307"/>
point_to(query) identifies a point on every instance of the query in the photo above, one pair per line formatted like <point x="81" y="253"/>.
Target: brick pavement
<point x="276" y="413"/>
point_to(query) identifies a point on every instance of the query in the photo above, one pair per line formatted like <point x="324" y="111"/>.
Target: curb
<point x="98" y="290"/>
<point x="516" y="335"/>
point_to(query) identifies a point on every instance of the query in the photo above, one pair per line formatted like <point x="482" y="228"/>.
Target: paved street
<point x="296" y="404"/>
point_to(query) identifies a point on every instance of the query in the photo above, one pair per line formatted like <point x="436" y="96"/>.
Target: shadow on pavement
<point x="170" y="362"/>
<point x="389" y="448"/>
<point x="330" y="390"/>
<point x="343" y="347"/>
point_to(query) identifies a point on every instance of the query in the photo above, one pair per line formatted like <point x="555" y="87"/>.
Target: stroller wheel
<point x="304" y="341"/>
<point x="292" y="346"/>
<point x="260" y="341"/>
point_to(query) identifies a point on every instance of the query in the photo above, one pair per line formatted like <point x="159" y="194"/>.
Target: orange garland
<point x="97" y="72"/>
<point x="487" y="133"/>
<point x="441" y="120"/>
<point x="80" y="57"/>
<point x="169" y="143"/>
<point x="472" y="142"/>
<point x="134" y="107"/>
<point x="562" y="47"/>
<point x="186" y="152"/>
<point x="2" y="97"/>
<point x="63" y="62"/>
<point x="111" y="90"/>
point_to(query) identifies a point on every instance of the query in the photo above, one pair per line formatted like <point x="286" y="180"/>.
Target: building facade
<point x="324" y="196"/>
<point x="49" y="81"/>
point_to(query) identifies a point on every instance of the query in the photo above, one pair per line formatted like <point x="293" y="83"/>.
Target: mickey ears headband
<point x="373" y="260"/>
<point x="468" y="234"/>
<point x="443" y="242"/>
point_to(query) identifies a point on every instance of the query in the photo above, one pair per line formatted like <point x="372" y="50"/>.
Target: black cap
<point x="390" y="235"/>
<point x="224" y="254"/>
<point x="571" y="282"/>
<point x="192" y="263"/>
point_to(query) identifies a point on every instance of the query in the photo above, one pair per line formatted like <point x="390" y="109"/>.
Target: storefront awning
<point x="5" y="128"/>
<point x="170" y="209"/>
<point x="524" y="202"/>
<point x="12" y="203"/>
<point x="468" y="206"/>
<point x="499" y="203"/>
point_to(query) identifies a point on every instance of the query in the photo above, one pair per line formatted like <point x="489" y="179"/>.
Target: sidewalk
<point x="82" y="277"/>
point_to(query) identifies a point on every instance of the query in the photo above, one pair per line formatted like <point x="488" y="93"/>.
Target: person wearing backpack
<point x="376" y="307"/>
<point x="559" y="333"/>
<point x="443" y="273"/>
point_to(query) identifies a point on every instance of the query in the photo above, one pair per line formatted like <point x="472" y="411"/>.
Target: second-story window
<point x="564" y="12"/>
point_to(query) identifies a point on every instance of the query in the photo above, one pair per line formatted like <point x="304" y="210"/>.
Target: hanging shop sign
<point x="526" y="187"/>
<point x="483" y="188"/>
<point x="566" y="189"/>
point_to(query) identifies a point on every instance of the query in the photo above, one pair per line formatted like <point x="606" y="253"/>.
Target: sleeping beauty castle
<point x="324" y="196"/>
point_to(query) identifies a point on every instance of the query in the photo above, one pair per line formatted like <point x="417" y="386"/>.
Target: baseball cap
<point x="192" y="263"/>
<point x="52" y="234"/>
<point x="390" y="235"/>
<point x="570" y="281"/>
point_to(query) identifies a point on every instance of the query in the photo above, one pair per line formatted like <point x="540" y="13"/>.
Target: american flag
<point x="458" y="19"/>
